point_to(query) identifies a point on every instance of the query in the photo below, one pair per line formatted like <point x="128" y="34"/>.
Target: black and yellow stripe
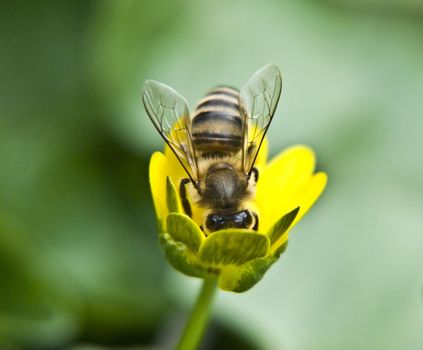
<point x="217" y="124"/>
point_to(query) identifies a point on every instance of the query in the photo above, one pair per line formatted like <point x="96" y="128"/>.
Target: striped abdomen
<point x="216" y="124"/>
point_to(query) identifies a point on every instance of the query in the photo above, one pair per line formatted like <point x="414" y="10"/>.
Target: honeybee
<point x="218" y="144"/>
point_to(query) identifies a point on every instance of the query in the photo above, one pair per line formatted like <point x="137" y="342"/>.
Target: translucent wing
<point x="258" y="100"/>
<point x="169" y="113"/>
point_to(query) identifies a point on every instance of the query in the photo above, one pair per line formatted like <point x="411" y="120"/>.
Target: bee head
<point x="242" y="219"/>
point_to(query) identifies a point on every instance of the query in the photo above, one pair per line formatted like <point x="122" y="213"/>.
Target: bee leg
<point x="254" y="174"/>
<point x="183" y="195"/>
<point x="256" y="223"/>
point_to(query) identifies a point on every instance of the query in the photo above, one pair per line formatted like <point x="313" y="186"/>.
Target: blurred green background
<point x="80" y="265"/>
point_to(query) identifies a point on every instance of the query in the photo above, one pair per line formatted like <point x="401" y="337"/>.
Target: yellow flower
<point x="286" y="189"/>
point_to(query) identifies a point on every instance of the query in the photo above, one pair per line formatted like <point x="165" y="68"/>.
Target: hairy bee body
<point x="218" y="144"/>
<point x="217" y="135"/>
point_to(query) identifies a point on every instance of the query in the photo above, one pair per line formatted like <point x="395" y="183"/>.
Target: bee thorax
<point x="224" y="189"/>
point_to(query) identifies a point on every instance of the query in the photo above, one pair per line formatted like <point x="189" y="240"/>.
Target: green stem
<point x="197" y="322"/>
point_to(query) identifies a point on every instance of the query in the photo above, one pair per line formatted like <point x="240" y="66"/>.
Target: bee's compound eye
<point x="215" y="222"/>
<point x="243" y="219"/>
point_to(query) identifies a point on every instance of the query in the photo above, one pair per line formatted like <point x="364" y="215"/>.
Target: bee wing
<point x="168" y="111"/>
<point x="258" y="100"/>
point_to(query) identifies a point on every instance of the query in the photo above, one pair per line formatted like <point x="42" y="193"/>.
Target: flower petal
<point x="304" y="198"/>
<point x="177" y="172"/>
<point x="158" y="171"/>
<point x="183" y="229"/>
<point x="309" y="193"/>
<point x="233" y="247"/>
<point x="280" y="181"/>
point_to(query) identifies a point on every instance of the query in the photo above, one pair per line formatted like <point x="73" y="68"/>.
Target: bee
<point x="218" y="144"/>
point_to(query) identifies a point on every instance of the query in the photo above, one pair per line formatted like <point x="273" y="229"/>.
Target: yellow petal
<point x="309" y="194"/>
<point x="159" y="170"/>
<point x="177" y="172"/>
<point x="304" y="198"/>
<point x="280" y="181"/>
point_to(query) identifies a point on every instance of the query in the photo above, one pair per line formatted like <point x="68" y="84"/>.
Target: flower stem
<point x="197" y="322"/>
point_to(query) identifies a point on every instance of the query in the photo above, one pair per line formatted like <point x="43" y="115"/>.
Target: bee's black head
<point x="242" y="219"/>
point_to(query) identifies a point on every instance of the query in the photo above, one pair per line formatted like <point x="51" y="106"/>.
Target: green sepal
<point x="181" y="257"/>
<point x="241" y="278"/>
<point x="160" y="226"/>
<point x="172" y="198"/>
<point x="183" y="229"/>
<point x="280" y="250"/>
<point x="281" y="226"/>
<point x="234" y="247"/>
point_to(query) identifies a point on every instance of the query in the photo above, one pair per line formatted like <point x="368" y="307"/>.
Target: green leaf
<point x="172" y="198"/>
<point x="233" y="247"/>
<point x="181" y="258"/>
<point x="183" y="229"/>
<point x="282" y="225"/>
